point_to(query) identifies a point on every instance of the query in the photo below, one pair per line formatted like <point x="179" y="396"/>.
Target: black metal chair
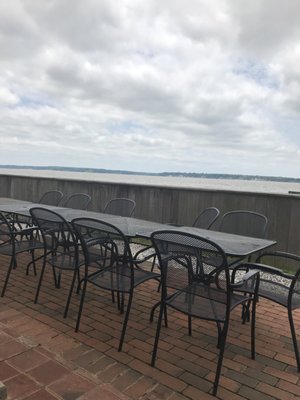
<point x="79" y="201"/>
<point x="51" y="197"/>
<point x="279" y="282"/>
<point x="61" y="249"/>
<point x="14" y="241"/>
<point x="197" y="288"/>
<point x="120" y="206"/>
<point x="108" y="264"/>
<point x="206" y="218"/>
<point x="204" y="221"/>
<point x="244" y="222"/>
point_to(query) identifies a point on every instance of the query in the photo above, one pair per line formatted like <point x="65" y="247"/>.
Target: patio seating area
<point x="41" y="356"/>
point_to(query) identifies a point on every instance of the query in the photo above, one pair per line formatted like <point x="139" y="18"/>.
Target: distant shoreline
<point x="163" y="174"/>
<point x="290" y="188"/>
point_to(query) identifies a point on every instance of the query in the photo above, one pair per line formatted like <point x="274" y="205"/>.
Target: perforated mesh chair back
<point x="185" y="258"/>
<point x="78" y="201"/>
<point x="51" y="198"/>
<point x="120" y="206"/>
<point x="243" y="222"/>
<point x="206" y="218"/>
<point x="55" y="230"/>
<point x="96" y="236"/>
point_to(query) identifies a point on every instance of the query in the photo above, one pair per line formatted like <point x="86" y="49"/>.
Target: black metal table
<point x="233" y="245"/>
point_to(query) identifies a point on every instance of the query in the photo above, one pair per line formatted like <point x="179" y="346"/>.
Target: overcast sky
<point x="151" y="85"/>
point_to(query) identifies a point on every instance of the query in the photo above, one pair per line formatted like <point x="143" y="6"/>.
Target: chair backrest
<point x="56" y="232"/>
<point x="120" y="206"/>
<point x="206" y="218"/>
<point x="78" y="201"/>
<point x="185" y="259"/>
<point x="244" y="222"/>
<point x="102" y="243"/>
<point x="6" y="230"/>
<point x="51" y="197"/>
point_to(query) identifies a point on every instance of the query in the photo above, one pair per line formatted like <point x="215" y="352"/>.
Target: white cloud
<point x="207" y="85"/>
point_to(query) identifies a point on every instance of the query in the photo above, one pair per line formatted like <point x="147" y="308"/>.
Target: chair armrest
<point x="265" y="268"/>
<point x="141" y="251"/>
<point x="245" y="278"/>
<point x="26" y="231"/>
<point x="145" y="258"/>
<point x="260" y="267"/>
<point x="94" y="241"/>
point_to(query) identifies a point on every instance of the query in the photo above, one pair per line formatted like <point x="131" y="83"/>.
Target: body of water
<point x="168" y="181"/>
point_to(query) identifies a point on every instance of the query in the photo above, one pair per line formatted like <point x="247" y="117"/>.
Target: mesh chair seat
<point x="118" y="278"/>
<point x="20" y="247"/>
<point x="203" y="301"/>
<point x="65" y="261"/>
<point x="278" y="293"/>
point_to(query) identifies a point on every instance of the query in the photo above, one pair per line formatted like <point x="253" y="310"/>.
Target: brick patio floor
<point x="42" y="358"/>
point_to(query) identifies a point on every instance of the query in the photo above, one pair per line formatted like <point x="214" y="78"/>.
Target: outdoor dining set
<point x="204" y="271"/>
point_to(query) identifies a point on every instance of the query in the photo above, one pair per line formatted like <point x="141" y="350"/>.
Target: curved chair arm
<point x="245" y="278"/>
<point x="261" y="267"/>
<point x="256" y="266"/>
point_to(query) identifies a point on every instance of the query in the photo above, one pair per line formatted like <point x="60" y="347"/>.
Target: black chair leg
<point x="11" y="265"/>
<point x="70" y="294"/>
<point x="125" y="319"/>
<point x="119" y="302"/>
<point x="190" y="325"/>
<point x="296" y="350"/>
<point x="153" y="310"/>
<point x="219" y="328"/>
<point x="222" y="342"/>
<point x="40" y="281"/>
<point x="113" y="297"/>
<point x="253" y="317"/>
<point x="33" y="262"/>
<point x="161" y="311"/>
<point x="56" y="283"/>
<point x="78" y="280"/>
<point x="81" y="305"/>
<point x="166" y="316"/>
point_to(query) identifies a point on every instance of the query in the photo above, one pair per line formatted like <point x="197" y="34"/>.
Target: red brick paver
<point x="41" y="357"/>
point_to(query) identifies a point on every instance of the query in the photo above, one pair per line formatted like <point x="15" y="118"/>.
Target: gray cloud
<point x="208" y="86"/>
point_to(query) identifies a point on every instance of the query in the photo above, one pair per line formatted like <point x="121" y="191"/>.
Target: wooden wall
<point x="177" y="205"/>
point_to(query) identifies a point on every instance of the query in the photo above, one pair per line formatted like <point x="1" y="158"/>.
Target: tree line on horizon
<point x="173" y="174"/>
